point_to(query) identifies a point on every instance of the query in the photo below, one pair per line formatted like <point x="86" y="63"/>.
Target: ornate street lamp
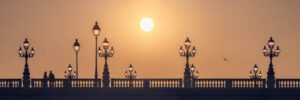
<point x="76" y="49"/>
<point x="256" y="75"/>
<point x="26" y="55"/>
<point x="130" y="73"/>
<point x="107" y="53"/>
<point x="69" y="73"/>
<point x="187" y="54"/>
<point x="96" y="33"/>
<point x="270" y="53"/>
<point x="194" y="74"/>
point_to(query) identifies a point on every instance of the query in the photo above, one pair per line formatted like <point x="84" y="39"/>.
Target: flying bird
<point x="225" y="59"/>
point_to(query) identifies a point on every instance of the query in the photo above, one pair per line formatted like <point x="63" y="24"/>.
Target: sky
<point x="234" y="29"/>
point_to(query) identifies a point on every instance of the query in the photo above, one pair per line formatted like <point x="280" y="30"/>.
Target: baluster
<point x="205" y="83"/>
<point x="217" y="84"/>
<point x="293" y="84"/>
<point x="239" y="83"/>
<point x="168" y="84"/>
<point x="152" y="84"/>
<point x="160" y="83"/>
<point x="220" y="83"/>
<point x="209" y="82"/>
<point x="202" y="84"/>
<point x="279" y="83"/>
<point x="1" y="85"/>
<point x="289" y="84"/>
<point x="157" y="83"/>
<point x="242" y="82"/>
<point x="284" y="84"/>
<point x="297" y="83"/>
<point x="234" y="83"/>
<point x="112" y="83"/>
<point x="175" y="84"/>
<point x="119" y="83"/>
<point x="123" y="84"/>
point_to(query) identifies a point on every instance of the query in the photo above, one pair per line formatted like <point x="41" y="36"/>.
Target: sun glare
<point x="146" y="24"/>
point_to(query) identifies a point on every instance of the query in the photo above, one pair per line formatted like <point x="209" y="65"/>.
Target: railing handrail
<point x="227" y="79"/>
<point x="148" y="79"/>
<point x="12" y="79"/>
<point x="286" y="79"/>
<point x="65" y="79"/>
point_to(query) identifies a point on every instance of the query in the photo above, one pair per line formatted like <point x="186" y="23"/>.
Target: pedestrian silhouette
<point x="45" y="80"/>
<point x="51" y="78"/>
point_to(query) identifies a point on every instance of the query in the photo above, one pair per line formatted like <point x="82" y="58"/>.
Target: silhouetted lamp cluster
<point x="195" y="74"/>
<point x="26" y="54"/>
<point x="69" y="73"/>
<point x="187" y="53"/>
<point x="106" y="53"/>
<point x="271" y="53"/>
<point x="256" y="75"/>
<point x="130" y="73"/>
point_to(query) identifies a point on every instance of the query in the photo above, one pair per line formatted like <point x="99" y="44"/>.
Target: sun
<point x="146" y="24"/>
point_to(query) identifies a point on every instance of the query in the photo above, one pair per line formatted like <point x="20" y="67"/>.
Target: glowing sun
<point x="146" y="24"/>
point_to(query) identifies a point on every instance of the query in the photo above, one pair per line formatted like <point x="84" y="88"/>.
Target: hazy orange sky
<point x="236" y="29"/>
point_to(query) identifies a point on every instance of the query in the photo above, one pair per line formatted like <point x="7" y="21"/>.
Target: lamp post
<point x="187" y="54"/>
<point x="69" y="73"/>
<point x="106" y="54"/>
<point x="195" y="74"/>
<point x="96" y="33"/>
<point x="270" y="53"/>
<point x="130" y="74"/>
<point x="26" y="55"/>
<point x="76" y="49"/>
<point x="256" y="75"/>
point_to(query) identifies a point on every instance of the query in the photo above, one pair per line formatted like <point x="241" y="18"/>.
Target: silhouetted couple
<point x="51" y="79"/>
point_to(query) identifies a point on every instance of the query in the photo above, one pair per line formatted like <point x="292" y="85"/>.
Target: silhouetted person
<point x="51" y="78"/>
<point x="45" y="79"/>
